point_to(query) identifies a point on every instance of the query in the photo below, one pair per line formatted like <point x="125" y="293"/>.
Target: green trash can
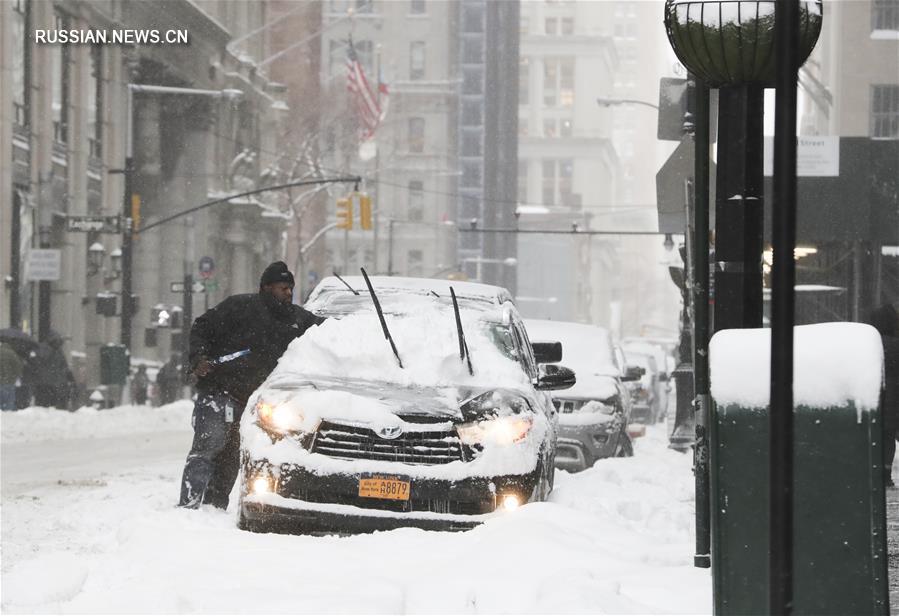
<point x="114" y="362"/>
<point x="839" y="510"/>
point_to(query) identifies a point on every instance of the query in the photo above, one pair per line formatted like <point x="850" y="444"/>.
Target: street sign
<point x="43" y="264"/>
<point x="207" y="267"/>
<point x="670" y="190"/>
<point x="97" y="224"/>
<point x="178" y="287"/>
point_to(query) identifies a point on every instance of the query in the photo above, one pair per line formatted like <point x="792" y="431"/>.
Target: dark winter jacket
<point x="252" y="321"/>
<point x="47" y="365"/>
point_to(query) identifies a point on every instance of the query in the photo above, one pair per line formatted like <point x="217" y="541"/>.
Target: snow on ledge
<point x="834" y="364"/>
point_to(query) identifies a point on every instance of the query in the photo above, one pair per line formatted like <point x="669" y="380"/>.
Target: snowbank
<point x="834" y="364"/>
<point x="39" y="424"/>
<point x="617" y="538"/>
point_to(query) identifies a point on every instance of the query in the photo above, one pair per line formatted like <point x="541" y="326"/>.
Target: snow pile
<point x="834" y="364"/>
<point x="617" y="538"/>
<point x="354" y="347"/>
<point x="38" y="424"/>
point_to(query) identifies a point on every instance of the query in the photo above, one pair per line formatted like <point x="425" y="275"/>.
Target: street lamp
<point x="95" y="255"/>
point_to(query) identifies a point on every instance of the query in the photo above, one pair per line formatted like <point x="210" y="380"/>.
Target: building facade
<point x="66" y="117"/>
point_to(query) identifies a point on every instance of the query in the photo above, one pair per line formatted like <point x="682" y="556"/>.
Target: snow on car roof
<point x="391" y="284"/>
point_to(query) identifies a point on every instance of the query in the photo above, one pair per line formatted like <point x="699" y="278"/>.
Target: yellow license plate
<point x="384" y="487"/>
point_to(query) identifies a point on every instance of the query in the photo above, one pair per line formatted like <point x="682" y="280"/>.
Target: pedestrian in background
<point x="139" y="384"/>
<point x="11" y="367"/>
<point x="233" y="348"/>
<point x="168" y="380"/>
<point x="48" y="374"/>
<point x="886" y="320"/>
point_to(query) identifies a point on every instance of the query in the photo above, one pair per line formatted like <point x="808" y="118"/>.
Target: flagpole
<point x="377" y="186"/>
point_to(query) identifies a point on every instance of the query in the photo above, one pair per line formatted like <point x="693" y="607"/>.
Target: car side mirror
<point x="547" y="352"/>
<point x="554" y="377"/>
<point x="633" y="373"/>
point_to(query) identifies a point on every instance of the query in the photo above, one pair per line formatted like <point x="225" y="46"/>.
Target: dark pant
<point x="214" y="459"/>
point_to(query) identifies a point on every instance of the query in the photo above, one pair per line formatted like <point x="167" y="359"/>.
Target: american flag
<point x="371" y="107"/>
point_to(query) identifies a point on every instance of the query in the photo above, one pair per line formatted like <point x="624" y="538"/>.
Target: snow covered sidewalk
<point x="89" y="526"/>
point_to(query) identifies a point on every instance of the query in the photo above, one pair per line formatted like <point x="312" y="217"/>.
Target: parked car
<point x="452" y="428"/>
<point x="663" y="363"/>
<point x="643" y="389"/>
<point x="594" y="414"/>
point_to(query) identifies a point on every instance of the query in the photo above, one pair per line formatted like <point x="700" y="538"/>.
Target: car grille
<point x="356" y="443"/>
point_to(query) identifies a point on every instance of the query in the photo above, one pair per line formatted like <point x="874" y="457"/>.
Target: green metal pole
<point x="701" y="325"/>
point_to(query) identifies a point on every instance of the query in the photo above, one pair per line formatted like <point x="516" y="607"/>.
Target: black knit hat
<point x="276" y="272"/>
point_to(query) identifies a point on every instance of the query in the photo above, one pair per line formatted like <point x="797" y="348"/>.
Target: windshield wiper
<point x="387" y="335"/>
<point x="463" y="345"/>
<point x="355" y="292"/>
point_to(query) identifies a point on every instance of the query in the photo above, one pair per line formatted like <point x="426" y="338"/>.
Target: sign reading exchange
<point x="97" y="224"/>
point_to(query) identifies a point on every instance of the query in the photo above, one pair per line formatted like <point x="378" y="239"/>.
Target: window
<point x="523" y="26"/>
<point x="558" y="182"/>
<point x="473" y="51"/>
<point x="416" y="60"/>
<point x="95" y="102"/>
<point x="417" y="135"/>
<point x="522" y="127"/>
<point x="885" y="15"/>
<point x="417" y="7"/>
<point x="565" y="128"/>
<point x="472" y="82"/>
<point x="59" y="71"/>
<point x="558" y="82"/>
<point x="471" y="113"/>
<point x="524" y="73"/>
<point x="549" y="128"/>
<point x="474" y="18"/>
<point x="471" y="143"/>
<point x="416" y="200"/>
<point x="567" y="25"/>
<point x="414" y="263"/>
<point x="550" y="26"/>
<point x="20" y="43"/>
<point x="885" y="112"/>
<point x="522" y="181"/>
<point x="471" y="175"/>
<point x="549" y="182"/>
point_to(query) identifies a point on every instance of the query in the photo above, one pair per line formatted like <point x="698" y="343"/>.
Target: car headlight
<point x="501" y="430"/>
<point x="605" y="407"/>
<point x="283" y="417"/>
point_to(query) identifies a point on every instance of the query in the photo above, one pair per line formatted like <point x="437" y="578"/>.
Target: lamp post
<point x="730" y="44"/>
<point x="131" y="200"/>
<point x="609" y="102"/>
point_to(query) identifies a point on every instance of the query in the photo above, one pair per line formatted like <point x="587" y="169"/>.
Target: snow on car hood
<point x="354" y="348"/>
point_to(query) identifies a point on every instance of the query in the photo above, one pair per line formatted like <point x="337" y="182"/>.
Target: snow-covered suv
<point x="418" y="414"/>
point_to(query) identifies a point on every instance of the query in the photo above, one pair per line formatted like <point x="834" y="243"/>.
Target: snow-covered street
<point x="89" y="526"/>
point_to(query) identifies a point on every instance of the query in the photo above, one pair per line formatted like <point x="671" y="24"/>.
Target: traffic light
<point x="364" y="211"/>
<point x="345" y="214"/>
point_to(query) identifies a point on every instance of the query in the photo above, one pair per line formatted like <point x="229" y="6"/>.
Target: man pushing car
<point x="233" y="348"/>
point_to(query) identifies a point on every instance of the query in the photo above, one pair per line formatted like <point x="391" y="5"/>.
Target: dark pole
<point x="43" y="293"/>
<point x="390" y="247"/>
<point x="187" y="319"/>
<point x="786" y="36"/>
<point x="701" y="325"/>
<point x="15" y="300"/>
<point x="739" y="212"/>
<point x="127" y="237"/>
